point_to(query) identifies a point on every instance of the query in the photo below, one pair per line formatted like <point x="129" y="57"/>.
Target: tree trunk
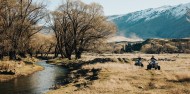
<point x="41" y="54"/>
<point x="2" y="53"/>
<point x="12" y="55"/>
<point x="78" y="55"/>
<point x="31" y="54"/>
<point x="36" y="54"/>
<point x="56" y="52"/>
<point x="22" y="54"/>
<point x="69" y="57"/>
<point x="1" y="56"/>
<point x="55" y="55"/>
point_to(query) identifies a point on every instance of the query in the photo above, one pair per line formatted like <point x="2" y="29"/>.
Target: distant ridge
<point x="162" y="22"/>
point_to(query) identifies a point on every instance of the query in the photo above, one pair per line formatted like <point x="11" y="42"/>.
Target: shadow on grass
<point x="180" y="80"/>
<point x="75" y="65"/>
<point x="77" y="72"/>
<point x="44" y="57"/>
<point x="7" y="72"/>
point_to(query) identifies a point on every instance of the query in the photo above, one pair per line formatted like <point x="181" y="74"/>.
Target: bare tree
<point x="42" y="44"/>
<point x="62" y="29"/>
<point x="19" y="23"/>
<point x="78" y="25"/>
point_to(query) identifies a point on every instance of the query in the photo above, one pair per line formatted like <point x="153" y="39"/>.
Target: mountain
<point x="162" y="22"/>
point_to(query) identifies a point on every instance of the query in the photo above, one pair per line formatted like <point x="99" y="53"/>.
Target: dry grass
<point x="21" y="68"/>
<point x="122" y="78"/>
<point x="183" y="77"/>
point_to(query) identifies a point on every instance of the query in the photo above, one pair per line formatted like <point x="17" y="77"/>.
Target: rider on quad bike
<point x="139" y="62"/>
<point x="153" y="64"/>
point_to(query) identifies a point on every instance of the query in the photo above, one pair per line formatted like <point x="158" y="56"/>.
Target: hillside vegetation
<point x="163" y="46"/>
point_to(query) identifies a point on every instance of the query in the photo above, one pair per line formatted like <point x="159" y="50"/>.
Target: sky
<point x="115" y="7"/>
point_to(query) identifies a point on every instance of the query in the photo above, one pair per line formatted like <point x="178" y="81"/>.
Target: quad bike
<point x="139" y="63"/>
<point x="153" y="65"/>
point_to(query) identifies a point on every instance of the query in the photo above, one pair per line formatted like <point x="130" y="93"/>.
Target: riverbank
<point x="116" y="77"/>
<point x="24" y="67"/>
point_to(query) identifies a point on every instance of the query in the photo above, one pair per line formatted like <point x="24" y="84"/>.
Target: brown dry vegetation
<point x="165" y="46"/>
<point x="125" y="78"/>
<point x="22" y="68"/>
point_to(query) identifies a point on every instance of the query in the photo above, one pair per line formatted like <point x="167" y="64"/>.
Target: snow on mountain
<point x="151" y="13"/>
<point x="180" y="10"/>
<point x="161" y="22"/>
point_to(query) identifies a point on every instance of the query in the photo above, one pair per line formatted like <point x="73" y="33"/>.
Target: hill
<point x="157" y="46"/>
<point x="162" y="22"/>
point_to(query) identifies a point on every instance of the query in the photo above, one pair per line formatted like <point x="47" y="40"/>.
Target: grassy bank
<point x="116" y="77"/>
<point x="21" y="68"/>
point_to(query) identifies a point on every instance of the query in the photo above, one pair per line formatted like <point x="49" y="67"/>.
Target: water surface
<point x="37" y="83"/>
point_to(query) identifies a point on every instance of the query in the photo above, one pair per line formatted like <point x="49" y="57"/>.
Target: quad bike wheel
<point x="148" y="67"/>
<point x="158" y="67"/>
<point x="142" y="65"/>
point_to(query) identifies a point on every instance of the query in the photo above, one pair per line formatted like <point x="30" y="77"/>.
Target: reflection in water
<point x="37" y="83"/>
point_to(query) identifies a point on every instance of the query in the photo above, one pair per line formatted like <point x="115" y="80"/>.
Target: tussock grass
<point x="60" y="60"/>
<point x="9" y="65"/>
<point x="20" y="68"/>
<point x="183" y="77"/>
<point x="125" y="78"/>
<point x="180" y="91"/>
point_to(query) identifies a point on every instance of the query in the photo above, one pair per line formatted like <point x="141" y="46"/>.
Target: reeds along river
<point x="37" y="83"/>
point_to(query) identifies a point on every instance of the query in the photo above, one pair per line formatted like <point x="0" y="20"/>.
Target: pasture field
<point x="124" y="78"/>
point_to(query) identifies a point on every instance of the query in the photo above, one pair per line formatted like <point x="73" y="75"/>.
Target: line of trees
<point x="79" y="26"/>
<point x="76" y="26"/>
<point x="18" y="23"/>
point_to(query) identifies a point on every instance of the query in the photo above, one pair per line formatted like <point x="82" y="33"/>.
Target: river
<point x="37" y="83"/>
